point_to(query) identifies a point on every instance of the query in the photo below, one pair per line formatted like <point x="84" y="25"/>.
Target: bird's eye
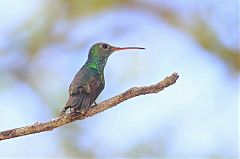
<point x="105" y="46"/>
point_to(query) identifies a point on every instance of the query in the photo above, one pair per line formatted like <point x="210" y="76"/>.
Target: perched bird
<point x="89" y="82"/>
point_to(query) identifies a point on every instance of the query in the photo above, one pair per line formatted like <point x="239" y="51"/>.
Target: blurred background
<point x="44" y="43"/>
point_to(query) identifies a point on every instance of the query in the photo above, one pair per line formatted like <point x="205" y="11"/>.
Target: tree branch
<point x="71" y="117"/>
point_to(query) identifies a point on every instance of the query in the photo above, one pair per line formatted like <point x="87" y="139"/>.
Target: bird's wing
<point x="82" y="95"/>
<point x="89" y="87"/>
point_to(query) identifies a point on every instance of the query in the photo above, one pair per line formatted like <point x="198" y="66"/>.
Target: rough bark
<point x="71" y="117"/>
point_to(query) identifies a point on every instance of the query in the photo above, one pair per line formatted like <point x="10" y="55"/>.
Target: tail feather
<point x="80" y="103"/>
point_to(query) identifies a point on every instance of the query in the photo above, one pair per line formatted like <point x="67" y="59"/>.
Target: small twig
<point x="71" y="117"/>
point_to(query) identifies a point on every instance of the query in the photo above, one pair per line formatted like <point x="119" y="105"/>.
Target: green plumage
<point x="89" y="82"/>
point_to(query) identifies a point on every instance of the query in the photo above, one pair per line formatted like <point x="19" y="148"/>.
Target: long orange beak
<point x="125" y="48"/>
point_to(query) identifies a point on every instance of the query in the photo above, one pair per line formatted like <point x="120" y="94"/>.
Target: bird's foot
<point x="77" y="111"/>
<point x="74" y="114"/>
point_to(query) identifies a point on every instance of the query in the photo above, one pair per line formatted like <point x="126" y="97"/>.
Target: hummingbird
<point x="89" y="81"/>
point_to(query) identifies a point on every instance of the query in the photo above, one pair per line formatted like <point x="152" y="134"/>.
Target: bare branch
<point x="71" y="117"/>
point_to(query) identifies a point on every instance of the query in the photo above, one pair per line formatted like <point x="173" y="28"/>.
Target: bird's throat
<point x="97" y="64"/>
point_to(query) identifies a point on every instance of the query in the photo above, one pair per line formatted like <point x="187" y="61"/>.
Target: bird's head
<point x="104" y="50"/>
<point x="99" y="53"/>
